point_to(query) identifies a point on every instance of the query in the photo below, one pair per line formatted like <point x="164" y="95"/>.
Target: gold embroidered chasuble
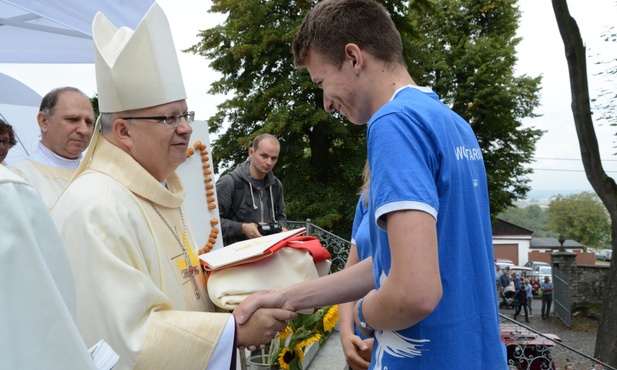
<point x="135" y="284"/>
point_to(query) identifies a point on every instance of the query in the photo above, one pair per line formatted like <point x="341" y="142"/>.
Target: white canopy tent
<point x="19" y="106"/>
<point x="52" y="31"/>
<point x="49" y="31"/>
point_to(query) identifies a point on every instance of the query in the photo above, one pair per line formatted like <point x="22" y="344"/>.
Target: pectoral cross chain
<point x="190" y="271"/>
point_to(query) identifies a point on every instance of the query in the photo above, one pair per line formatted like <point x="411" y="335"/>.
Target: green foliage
<point x="322" y="155"/>
<point x="581" y="217"/>
<point x="532" y="217"/>
<point x="301" y="332"/>
<point x="463" y="49"/>
<point x="95" y="105"/>
<point x="467" y="55"/>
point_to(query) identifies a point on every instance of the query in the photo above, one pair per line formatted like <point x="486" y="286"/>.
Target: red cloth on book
<point x="310" y="243"/>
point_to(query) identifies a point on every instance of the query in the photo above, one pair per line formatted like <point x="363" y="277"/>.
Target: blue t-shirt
<point x="544" y="285"/>
<point x="361" y="238"/>
<point x="359" y="231"/>
<point x="425" y="157"/>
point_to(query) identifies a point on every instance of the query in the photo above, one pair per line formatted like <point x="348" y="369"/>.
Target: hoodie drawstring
<point x="271" y="200"/>
<point x="252" y="196"/>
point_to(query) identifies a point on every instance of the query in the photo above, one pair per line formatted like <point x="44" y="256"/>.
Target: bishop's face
<point x="159" y="148"/>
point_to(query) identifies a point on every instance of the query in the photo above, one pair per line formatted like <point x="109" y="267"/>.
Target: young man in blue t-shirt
<point x="428" y="191"/>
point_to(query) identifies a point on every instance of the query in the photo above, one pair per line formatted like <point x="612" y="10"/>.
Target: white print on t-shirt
<point x="394" y="344"/>
<point x="472" y="154"/>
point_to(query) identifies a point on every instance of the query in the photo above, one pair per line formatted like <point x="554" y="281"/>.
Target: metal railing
<point x="562" y="299"/>
<point x="528" y="349"/>
<point x="337" y="246"/>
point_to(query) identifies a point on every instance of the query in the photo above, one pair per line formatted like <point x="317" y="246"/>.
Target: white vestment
<point x="37" y="292"/>
<point x="124" y="232"/>
<point x="47" y="172"/>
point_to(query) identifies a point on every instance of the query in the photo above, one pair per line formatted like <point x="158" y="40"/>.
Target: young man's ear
<point x="354" y="56"/>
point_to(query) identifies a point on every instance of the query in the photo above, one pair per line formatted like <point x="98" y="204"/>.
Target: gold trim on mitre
<point x="136" y="69"/>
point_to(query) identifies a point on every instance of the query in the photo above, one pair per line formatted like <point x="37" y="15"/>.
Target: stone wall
<point x="587" y="282"/>
<point x="544" y="256"/>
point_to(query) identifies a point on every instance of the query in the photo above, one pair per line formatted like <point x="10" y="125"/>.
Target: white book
<point x="245" y="250"/>
<point x="105" y="358"/>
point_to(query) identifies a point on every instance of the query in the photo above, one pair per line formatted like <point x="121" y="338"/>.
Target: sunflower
<point x="287" y="350"/>
<point x="285" y="358"/>
<point x="300" y="353"/>
<point x="330" y="318"/>
<point x="305" y="343"/>
<point x="286" y="332"/>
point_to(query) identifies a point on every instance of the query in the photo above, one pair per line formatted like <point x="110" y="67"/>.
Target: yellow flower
<point x="305" y="343"/>
<point x="330" y="318"/>
<point x="285" y="358"/>
<point x="286" y="332"/>
<point x="287" y="350"/>
<point x="300" y="353"/>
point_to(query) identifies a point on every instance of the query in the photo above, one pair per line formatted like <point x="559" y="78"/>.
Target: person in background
<point x="547" y="297"/>
<point x="428" y="192"/>
<point x="529" y="291"/>
<point x="66" y="119"/>
<point x="517" y="281"/>
<point x="357" y="347"/>
<point x="251" y="196"/>
<point x="37" y="313"/>
<point x="504" y="282"/>
<point x="520" y="299"/>
<point x="128" y="237"/>
<point x="7" y="140"/>
<point x="498" y="274"/>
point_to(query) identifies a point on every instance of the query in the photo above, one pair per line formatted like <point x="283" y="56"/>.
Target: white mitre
<point x="136" y="69"/>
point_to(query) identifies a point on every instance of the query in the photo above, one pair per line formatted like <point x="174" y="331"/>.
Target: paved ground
<point x="580" y="340"/>
<point x="330" y="357"/>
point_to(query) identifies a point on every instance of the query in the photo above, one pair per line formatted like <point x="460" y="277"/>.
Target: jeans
<point x="547" y="300"/>
<point x="518" y="311"/>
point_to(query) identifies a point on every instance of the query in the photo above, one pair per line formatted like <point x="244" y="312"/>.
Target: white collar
<point x="45" y="156"/>
<point x="424" y="89"/>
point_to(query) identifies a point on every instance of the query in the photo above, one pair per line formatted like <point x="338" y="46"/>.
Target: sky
<point x="558" y="168"/>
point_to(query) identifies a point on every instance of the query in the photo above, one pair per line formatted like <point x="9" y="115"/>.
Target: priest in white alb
<point x="37" y="308"/>
<point x="66" y="120"/>
<point x="129" y="239"/>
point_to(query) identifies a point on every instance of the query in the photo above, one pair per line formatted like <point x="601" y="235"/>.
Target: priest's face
<point x="67" y="128"/>
<point x="160" y="148"/>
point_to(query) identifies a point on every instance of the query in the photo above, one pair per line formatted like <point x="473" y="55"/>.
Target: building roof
<point x="502" y="227"/>
<point x="554" y="243"/>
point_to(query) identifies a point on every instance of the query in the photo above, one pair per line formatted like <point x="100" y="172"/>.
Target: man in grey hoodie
<point x="250" y="198"/>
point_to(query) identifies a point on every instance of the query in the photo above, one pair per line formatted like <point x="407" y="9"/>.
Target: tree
<point x="466" y="53"/>
<point x="468" y="57"/>
<point x="322" y="155"/>
<point x="603" y="185"/>
<point x="532" y="217"/>
<point x="581" y="217"/>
